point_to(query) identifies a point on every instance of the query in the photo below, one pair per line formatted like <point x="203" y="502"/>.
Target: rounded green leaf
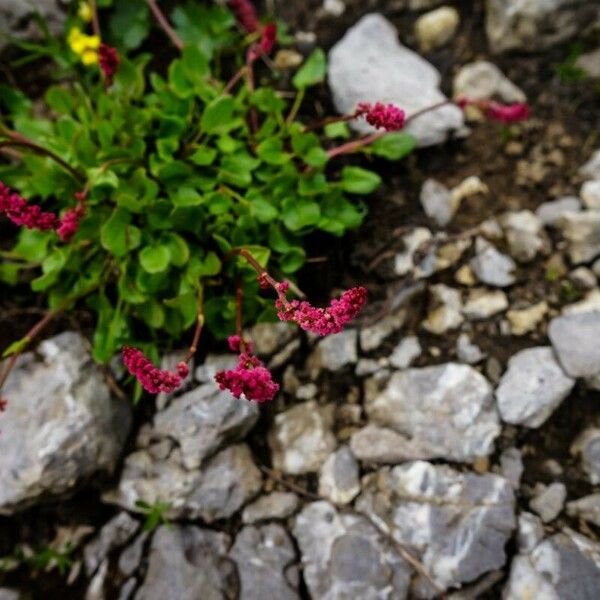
<point x="312" y="71"/>
<point x="155" y="259"/>
<point x="292" y="260"/>
<point x="357" y="180"/>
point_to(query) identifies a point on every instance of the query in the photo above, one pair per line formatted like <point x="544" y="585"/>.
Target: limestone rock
<point x="591" y="169"/>
<point x="467" y="351"/>
<point x="407" y="350"/>
<point x="61" y="425"/>
<point x="263" y="555"/>
<point x="492" y="267"/>
<point x="458" y="523"/>
<point x="276" y="505"/>
<point x="483" y="80"/>
<point x="334" y="352"/>
<point x="582" y="231"/>
<point x="372" y="336"/>
<point x="339" y="477"/>
<point x="575" y="341"/>
<point x="345" y="556"/>
<point x="549" y="501"/>
<point x="590" y="194"/>
<point x="369" y="65"/>
<point x="446" y="410"/>
<point x="301" y="438"/>
<point x="586" y="508"/>
<point x="483" y="304"/>
<point x="436" y="28"/>
<point x="533" y="387"/>
<point x="522" y="229"/>
<point x="524" y="320"/>
<point x="445" y="309"/>
<point x="187" y="563"/>
<point x="551" y="213"/>
<point x="587" y="445"/>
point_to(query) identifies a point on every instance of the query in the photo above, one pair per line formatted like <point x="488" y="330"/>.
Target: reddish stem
<point x="330" y="121"/>
<point x="95" y="21"/>
<point x="164" y="23"/>
<point x="427" y="109"/>
<point x="241" y="72"/>
<point x="355" y="145"/>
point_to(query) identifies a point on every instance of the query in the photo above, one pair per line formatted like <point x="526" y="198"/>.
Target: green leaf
<point x="17" y="347"/>
<point x="312" y="71"/>
<point x="152" y="313"/>
<point x="357" y="180"/>
<point x="178" y="249"/>
<point x="186" y="196"/>
<point x="203" y="156"/>
<point x="298" y="214"/>
<point x="218" y="115"/>
<point x="271" y="151"/>
<point x="100" y="177"/>
<point x="338" y="130"/>
<point x="59" y="99"/>
<point x="129" y="23"/>
<point x="292" y="260"/>
<point x="113" y="234"/>
<point x="32" y="245"/>
<point x="393" y="146"/>
<point x="51" y="267"/>
<point x="155" y="259"/>
<point x="263" y="210"/>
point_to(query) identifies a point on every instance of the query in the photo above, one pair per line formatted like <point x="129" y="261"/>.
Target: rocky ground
<point x="448" y="445"/>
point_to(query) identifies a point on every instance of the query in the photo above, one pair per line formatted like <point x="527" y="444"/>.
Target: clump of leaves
<point x="156" y="514"/>
<point x="178" y="168"/>
<point x="45" y="558"/>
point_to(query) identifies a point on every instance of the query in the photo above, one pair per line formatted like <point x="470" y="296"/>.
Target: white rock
<point x="407" y="350"/>
<point x="511" y="465"/>
<point x="482" y="80"/>
<point x="276" y="505"/>
<point x="586" y="508"/>
<point x="436" y="28"/>
<point x="532" y="388"/>
<point x="445" y="309"/>
<point x="583" y="278"/>
<point x="590" y="63"/>
<point x="435" y="199"/>
<point x="483" y="304"/>
<point x="591" y="169"/>
<point x="590" y="194"/>
<point x="369" y="65"/>
<point x="522" y="230"/>
<point x="372" y="336"/>
<point x="468" y="352"/>
<point x="582" y="231"/>
<point x="587" y="445"/>
<point x="339" y="477"/>
<point x="447" y="410"/>
<point x="334" y="352"/>
<point x="550" y="213"/>
<point x="589" y="303"/>
<point x="524" y="320"/>
<point x="470" y="186"/>
<point x="301" y="438"/>
<point x="403" y="262"/>
<point x="492" y="267"/>
<point x="549" y="501"/>
<point x="533" y="25"/>
<point x="530" y="532"/>
<point x="335" y="8"/>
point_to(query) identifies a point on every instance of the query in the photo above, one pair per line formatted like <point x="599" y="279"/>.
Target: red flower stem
<point x="27" y="339"/>
<point x="239" y="300"/>
<point x="164" y="23"/>
<point x="330" y="121"/>
<point x="250" y="83"/>
<point x="427" y="109"/>
<point x="199" y="324"/>
<point x="95" y="21"/>
<point x="20" y="141"/>
<point x="241" y="72"/>
<point x="355" y="145"/>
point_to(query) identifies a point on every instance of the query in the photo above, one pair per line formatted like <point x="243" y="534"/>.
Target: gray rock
<point x="187" y="563"/>
<point x="205" y="373"/>
<point x="263" y="555"/>
<point x="202" y="421"/>
<point x="589" y="63"/>
<point x="583" y="278"/>
<point x="566" y="565"/>
<point x="582" y="232"/>
<point x="435" y="199"/>
<point x="530" y="532"/>
<point x="591" y="169"/>
<point x="17" y="19"/>
<point x="590" y="194"/>
<point x="525" y="320"/>
<point x="131" y="557"/>
<point x="492" y="267"/>
<point x="8" y="594"/>
<point x="532" y="25"/>
<point x="335" y="8"/>
<point x="482" y="80"/>
<point x="270" y="337"/>
<point x="127" y="589"/>
<point x="448" y="410"/>
<point x="549" y="501"/>
<point x="586" y="508"/>
<point x="587" y="445"/>
<point x="467" y="351"/>
<point x="117" y="532"/>
<point x="457" y="523"/>
<point x="550" y="213"/>
<point x="373" y="444"/>
<point x="301" y="438"/>
<point x="339" y="477"/>
<point x="511" y="466"/>
<point x="369" y="65"/>
<point x="345" y="556"/>
<point x="276" y="505"/>
<point x="522" y="230"/>
<point x="334" y="352"/>
<point x="413" y="241"/>
<point x="372" y="336"/>
<point x="95" y="590"/>
<point x="533" y="387"/>
<point x="216" y="491"/>
<point x="575" y="341"/>
<point x="368" y="366"/>
<point x="407" y="350"/>
<point x="61" y="425"/>
<point x="444" y="309"/>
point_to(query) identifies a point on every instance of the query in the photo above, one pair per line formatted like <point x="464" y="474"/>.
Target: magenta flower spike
<point x="250" y="378"/>
<point x="382" y="116"/>
<point x="16" y="208"/>
<point x="153" y="379"/>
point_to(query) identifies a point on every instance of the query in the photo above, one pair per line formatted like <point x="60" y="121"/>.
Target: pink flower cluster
<point x="23" y="214"/>
<point x="69" y="223"/>
<point x="322" y="321"/>
<point x="245" y="13"/>
<point x="250" y="378"/>
<point x="153" y="380"/>
<point x="503" y="113"/>
<point x="109" y="61"/>
<point x="238" y="344"/>
<point x="267" y="41"/>
<point x="382" y="116"/>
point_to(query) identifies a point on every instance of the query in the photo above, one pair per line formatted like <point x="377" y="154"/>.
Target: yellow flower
<point x="85" y="46"/>
<point x="85" y="11"/>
